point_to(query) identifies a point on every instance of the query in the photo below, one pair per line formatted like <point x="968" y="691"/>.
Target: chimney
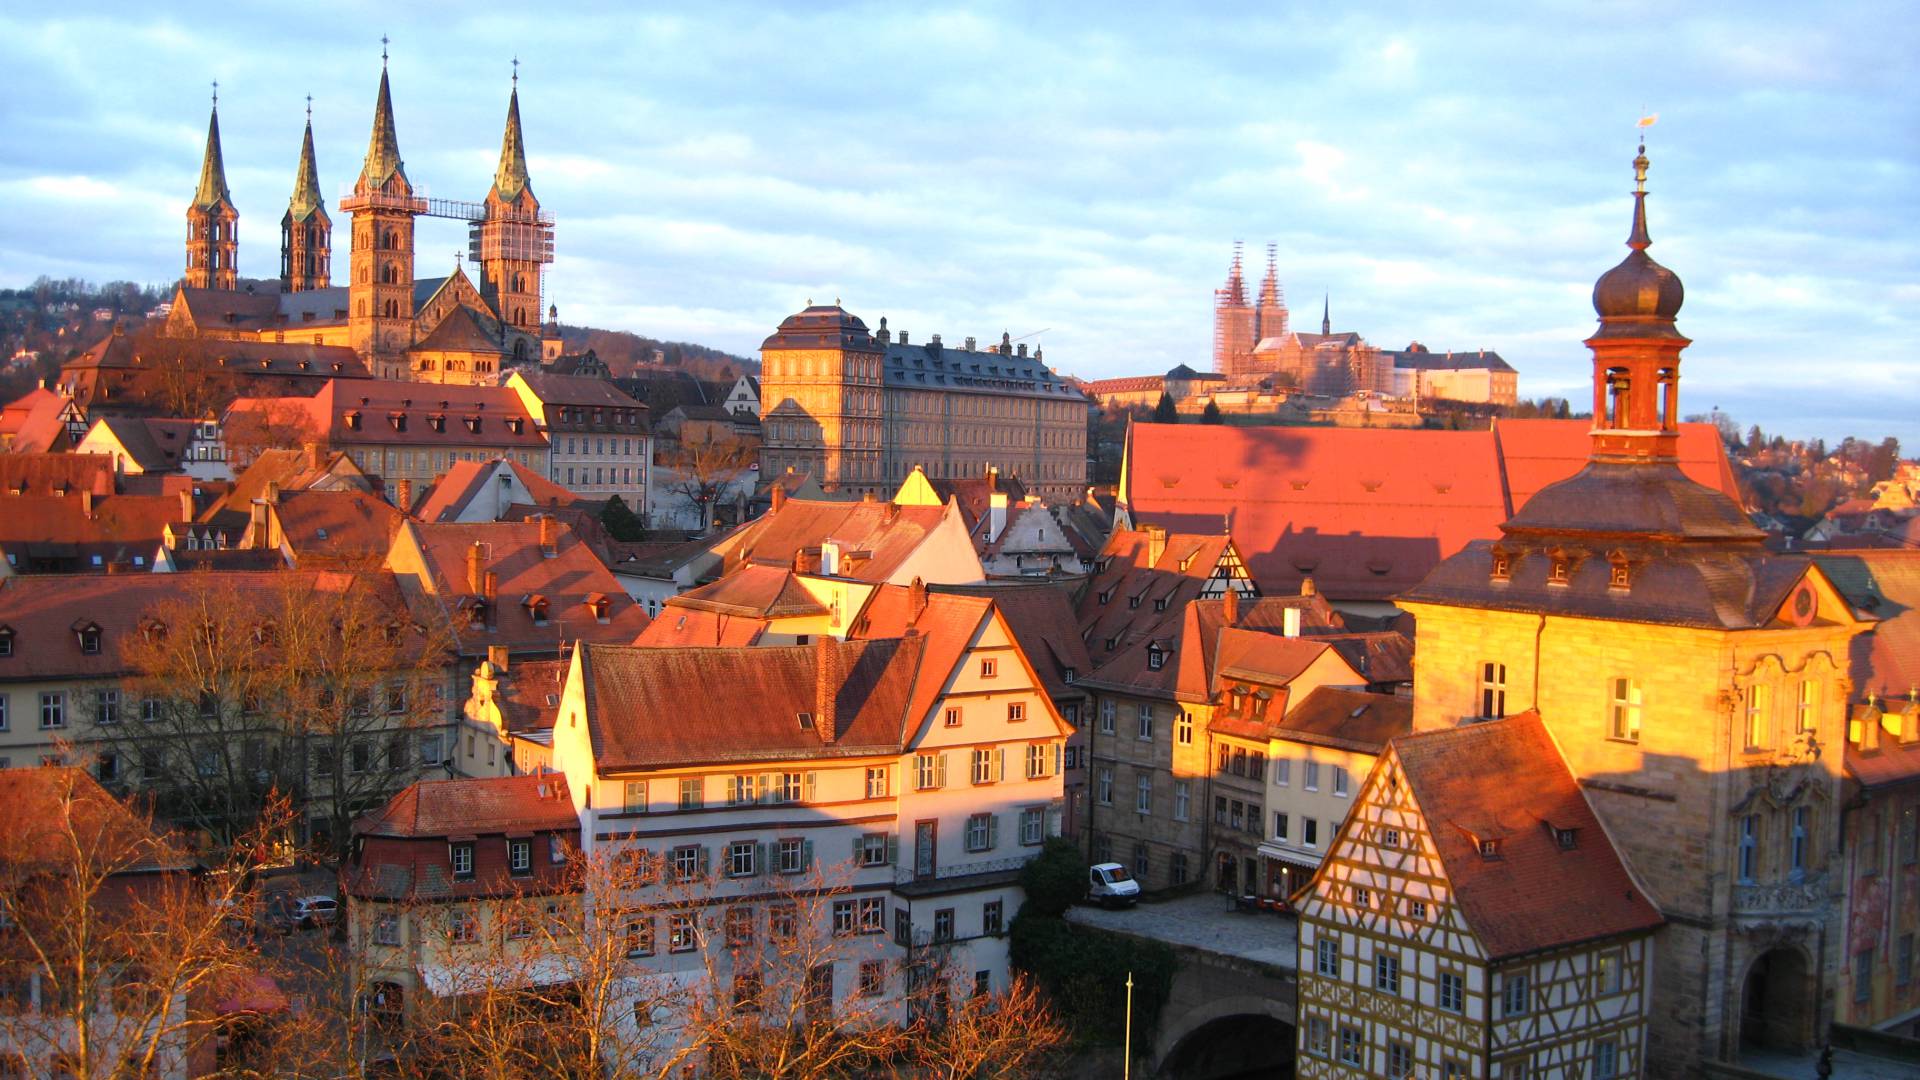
<point x="1290" y="622"/>
<point x="492" y="586"/>
<point x="403" y="494"/>
<point x="916" y="599"/>
<point x="829" y="558"/>
<point x="86" y="503"/>
<point x="1230" y="607"/>
<point x="186" y="505"/>
<point x="316" y="456"/>
<point x="1910" y="719"/>
<point x="1307" y="587"/>
<point x="259" y="522"/>
<point x="476" y="567"/>
<point x="1156" y="544"/>
<point x="549" y="536"/>
<point x="996" y="510"/>
<point x="969" y="343"/>
<point x="1869" y="721"/>
<point x="273" y="493"/>
<point x="497" y="656"/>
<point x="779" y="496"/>
<point x="826" y="687"/>
<point x="903" y="337"/>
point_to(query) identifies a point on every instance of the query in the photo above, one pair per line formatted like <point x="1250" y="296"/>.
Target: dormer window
<point x="537" y="607"/>
<point x="1066" y="674"/>
<point x="1105" y="595"/>
<point x="153" y="630"/>
<point x="1133" y="601"/>
<point x="89" y="639"/>
<point x="1111" y="642"/>
<point x="600" y="606"/>
<point x="806" y="721"/>
<point x="398" y="420"/>
<point x="1160" y="604"/>
<point x="1618" y="576"/>
<point x="1502" y="566"/>
<point x="1565" y="838"/>
<point x="1156" y="659"/>
<point x="6" y="641"/>
<point x="1560" y="571"/>
<point x="514" y="424"/>
<point x="353" y="421"/>
<point x="438" y="422"/>
<point x="473" y="424"/>
<point x="1489" y="849"/>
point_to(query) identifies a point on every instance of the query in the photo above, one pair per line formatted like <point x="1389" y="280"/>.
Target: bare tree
<point x="706" y="469"/>
<point x="181" y="376"/>
<point x="1012" y="1034"/>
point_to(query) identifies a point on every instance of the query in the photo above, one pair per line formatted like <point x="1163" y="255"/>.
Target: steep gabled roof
<point x="154" y="444"/>
<point x="1347" y="720"/>
<point x="1041" y="617"/>
<point x="1505" y="781"/>
<point x="875" y="538"/>
<point x="1885" y="585"/>
<point x="336" y="526"/>
<point x="463" y="482"/>
<point x="55" y="474"/>
<point x="766" y="592"/>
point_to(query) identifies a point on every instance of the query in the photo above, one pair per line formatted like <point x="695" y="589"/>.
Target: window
<point x="740" y="858"/>
<point x="877" y="782"/>
<point x="462" y="927"/>
<point x="1903" y="960"/>
<point x="986" y="765"/>
<point x="1310" y="831"/>
<point x="53" y="710"/>
<point x="1452" y="1070"/>
<point x="1141" y="860"/>
<point x="1759" y="715"/>
<point x="782" y="919"/>
<point x="691" y="796"/>
<point x="1183" y="729"/>
<point x="1319" y="1036"/>
<point x="1351" y="1047"/>
<point x="1606" y="973"/>
<point x="1182" y="799"/>
<point x="929" y="771"/>
<point x="1606" y="1060"/>
<point x="980" y="830"/>
<point x="463" y="860"/>
<point x="1311" y="781"/>
<point x="1417" y="909"/>
<point x="792" y="855"/>
<point x="1514" y="1069"/>
<point x="943" y="924"/>
<point x="873" y="977"/>
<point x="784" y="788"/>
<point x="1032" y="826"/>
<point x="993" y="918"/>
<point x="688" y="862"/>
<point x="1036" y="761"/>
<point x="1280" y="823"/>
<point x="639" y="935"/>
<point x="1386" y="971"/>
<point x="1623" y="720"/>
<point x="1513" y="995"/>
<point x="1282" y="772"/>
<point x="872" y="915"/>
<point x="106" y="707"/>
<point x="1107" y="709"/>
<point x="1016" y="712"/>
<point x="1143" y="795"/>
<point x="1103" y="785"/>
<point x="739" y="925"/>
<point x="1797" y="855"/>
<point x="1493" y="691"/>
<point x="873" y="849"/>
<point x="1399" y="1060"/>
<point x="1177" y="868"/>
<point x="636" y="797"/>
<point x="386" y="930"/>
<point x="1326" y="957"/>
<point x="843" y="917"/>
<point x="682" y="936"/>
<point x="1390" y="838"/>
<point x="1453" y="992"/>
<point x="1806" y="713"/>
<point x="1362" y="896"/>
<point x="520" y="856"/>
<point x="556" y="849"/>
<point x="1339" y="781"/>
<point x="952" y="718"/>
<point x="740" y="790"/>
<point x="989" y="668"/>
<point x="1237" y="819"/>
<point x="1143" y="720"/>
<point x="1749" y="848"/>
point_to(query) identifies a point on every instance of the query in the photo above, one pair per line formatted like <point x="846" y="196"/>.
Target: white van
<point x="1110" y="885"/>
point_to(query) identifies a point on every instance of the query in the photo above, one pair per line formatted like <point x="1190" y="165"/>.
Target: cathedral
<point x="449" y="329"/>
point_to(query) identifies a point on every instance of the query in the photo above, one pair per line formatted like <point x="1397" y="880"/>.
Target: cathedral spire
<point x="383" y="149"/>
<point x="1326" y="314"/>
<point x="510" y="179"/>
<point x="306" y="182"/>
<point x="212" y="192"/>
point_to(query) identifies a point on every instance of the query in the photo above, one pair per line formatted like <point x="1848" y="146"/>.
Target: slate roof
<point x="1367" y="513"/>
<point x="1421" y="359"/>
<point x="933" y="366"/>
<point x="1347" y="720"/>
<point x="1505" y="780"/>
<point x="1885" y="585"/>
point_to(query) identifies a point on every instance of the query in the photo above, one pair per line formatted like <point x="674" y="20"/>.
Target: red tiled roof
<point x="465" y="480"/>
<point x="1883" y="585"/>
<point x="529" y="695"/>
<point x="756" y="717"/>
<point x="1890" y="761"/>
<point x="1162" y="589"/>
<point x="1041" y="617"/>
<point x="768" y="592"/>
<point x="337" y="525"/>
<point x="1263" y="657"/>
<point x="289" y="470"/>
<point x="380" y="403"/>
<point x="474" y="806"/>
<point x="1381" y="656"/>
<point x="401" y="850"/>
<point x="55" y="474"/>
<point x="44" y="803"/>
<point x="567" y="580"/>
<point x="682" y="626"/>
<point x="31" y="423"/>
<point x="59" y="527"/>
<point x="875" y="538"/>
<point x="155" y="444"/>
<point x="1505" y="780"/>
<point x="1366" y="512"/>
<point x="1347" y="720"/>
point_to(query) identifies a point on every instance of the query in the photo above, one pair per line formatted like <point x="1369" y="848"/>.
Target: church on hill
<point x="450" y="329"/>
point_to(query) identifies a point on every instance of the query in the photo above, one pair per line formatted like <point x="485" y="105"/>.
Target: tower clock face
<point x="1801" y="608"/>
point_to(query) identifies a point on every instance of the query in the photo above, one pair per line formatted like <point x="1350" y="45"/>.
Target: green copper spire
<point x="510" y="179"/>
<point x="212" y="193"/>
<point x="306" y="183"/>
<point x="383" y="150"/>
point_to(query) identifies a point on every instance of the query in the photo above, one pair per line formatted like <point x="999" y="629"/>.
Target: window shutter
<point x="703" y="859"/>
<point x="761" y="863"/>
<point x="999" y="763"/>
<point x="806" y="852"/>
<point x="766" y="787"/>
<point x="993" y="831"/>
<point x="893" y="849"/>
<point x="813" y="787"/>
<point x="856" y="849"/>
<point x="940" y="769"/>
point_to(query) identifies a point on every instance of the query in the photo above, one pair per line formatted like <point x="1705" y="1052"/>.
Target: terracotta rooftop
<point x="1041" y="617"/>
<point x="63" y="532"/>
<point x="31" y="423"/>
<point x="1347" y="720"/>
<point x="874" y="538"/>
<point x="554" y="389"/>
<point x="529" y="695"/>
<point x="385" y="412"/>
<point x="568" y="581"/>
<point x="1505" y="781"/>
<point x="337" y="525"/>
<point x="464" y="481"/>
<point x="1366" y="512"/>
<point x="474" y="806"/>
<point x="154" y="444"/>
<point x="401" y="851"/>
<point x="56" y="474"/>
<point x="290" y="470"/>
<point x="41" y="801"/>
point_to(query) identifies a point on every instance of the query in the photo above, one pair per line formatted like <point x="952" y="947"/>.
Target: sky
<point x="1075" y="175"/>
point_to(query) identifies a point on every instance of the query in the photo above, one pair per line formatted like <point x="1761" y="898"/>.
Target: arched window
<point x="393" y="309"/>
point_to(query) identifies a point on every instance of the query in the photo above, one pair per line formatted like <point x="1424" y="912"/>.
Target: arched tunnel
<point x="1242" y="1046"/>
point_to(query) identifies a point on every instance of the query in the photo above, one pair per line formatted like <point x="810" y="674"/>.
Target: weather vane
<point x="309" y="108"/>
<point x="216" y="93"/>
<point x="383" y="50"/>
<point x="516" y="73"/>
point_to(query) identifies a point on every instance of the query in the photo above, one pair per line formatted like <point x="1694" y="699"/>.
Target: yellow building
<point x="1695" y="684"/>
<point x="861" y="410"/>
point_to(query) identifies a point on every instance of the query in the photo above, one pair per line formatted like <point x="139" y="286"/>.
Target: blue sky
<point x="1453" y="176"/>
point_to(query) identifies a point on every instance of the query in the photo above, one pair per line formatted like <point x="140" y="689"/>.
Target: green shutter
<point x="893" y="849"/>
<point x="806" y="852"/>
<point x="856" y="850"/>
<point x="703" y="859"/>
<point x="813" y="787"/>
<point x="999" y="763"/>
<point x="940" y="769"/>
<point x="993" y="831"/>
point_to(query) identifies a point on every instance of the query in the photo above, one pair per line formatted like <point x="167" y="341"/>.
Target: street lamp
<point x="1126" y="1061"/>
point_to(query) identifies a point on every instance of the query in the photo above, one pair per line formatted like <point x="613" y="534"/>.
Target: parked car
<point x="309" y="911"/>
<point x="1110" y="885"/>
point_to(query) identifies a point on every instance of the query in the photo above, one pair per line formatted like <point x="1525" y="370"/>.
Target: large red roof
<point x="1505" y="781"/>
<point x="1365" y="512"/>
<point x="523" y="573"/>
<point x="874" y="538"/>
<point x="462" y="483"/>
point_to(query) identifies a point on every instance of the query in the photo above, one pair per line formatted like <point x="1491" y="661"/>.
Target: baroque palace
<point x="448" y="329"/>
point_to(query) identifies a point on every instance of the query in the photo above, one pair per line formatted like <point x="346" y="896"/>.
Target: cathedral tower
<point x="1695" y="683"/>
<point x="306" y="232"/>
<point x="380" y="315"/>
<point x="213" y="223"/>
<point x="1233" y="323"/>
<point x="1272" y="320"/>
<point x="513" y="242"/>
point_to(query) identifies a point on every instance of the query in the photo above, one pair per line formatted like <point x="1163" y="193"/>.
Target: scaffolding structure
<point x="1233" y="322"/>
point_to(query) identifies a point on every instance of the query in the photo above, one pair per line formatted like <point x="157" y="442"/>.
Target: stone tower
<point x="1233" y="323"/>
<point x="821" y="399"/>
<point x="511" y="241"/>
<point x="1695" y="683"/>
<point x="306" y="232"/>
<point x="1272" y="319"/>
<point x="383" y="205"/>
<point x="213" y="223"/>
